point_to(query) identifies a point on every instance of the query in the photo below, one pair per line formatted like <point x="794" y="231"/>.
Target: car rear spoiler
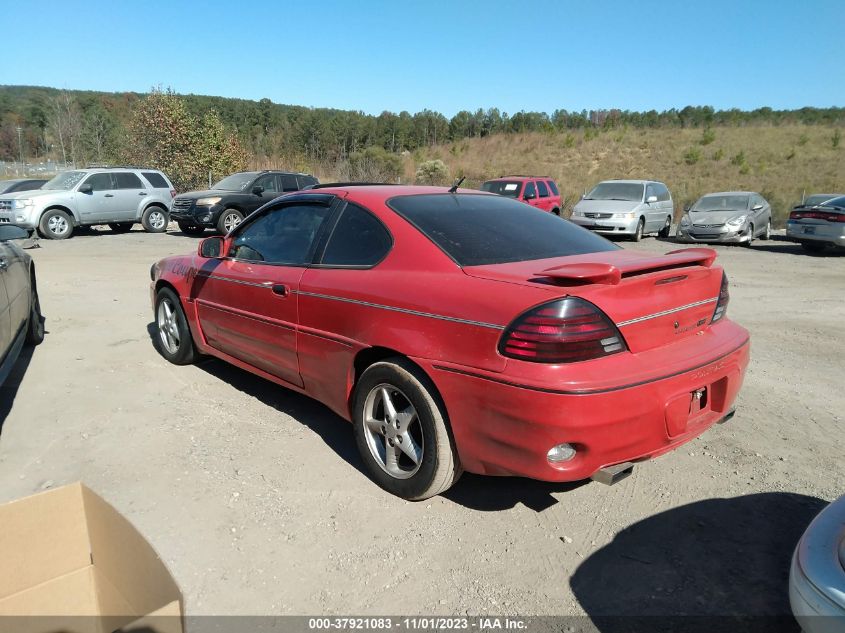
<point x="600" y="273"/>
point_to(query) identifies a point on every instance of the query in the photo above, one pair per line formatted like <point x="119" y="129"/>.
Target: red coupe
<point x="462" y="331"/>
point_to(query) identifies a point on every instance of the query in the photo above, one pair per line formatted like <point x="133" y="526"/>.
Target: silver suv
<point x="117" y="196"/>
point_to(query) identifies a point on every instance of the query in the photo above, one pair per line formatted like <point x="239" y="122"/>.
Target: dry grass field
<point x="780" y="162"/>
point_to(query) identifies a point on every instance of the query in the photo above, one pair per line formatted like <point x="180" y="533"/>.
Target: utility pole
<point x="20" y="143"/>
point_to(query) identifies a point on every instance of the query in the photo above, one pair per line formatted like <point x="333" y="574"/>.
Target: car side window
<point x="283" y="235"/>
<point x="269" y="183"/>
<point x="99" y="182"/>
<point x="156" y="180"/>
<point x="663" y="193"/>
<point x="553" y="188"/>
<point x="530" y="190"/>
<point x="306" y="181"/>
<point x="543" y="189"/>
<point x="289" y="182"/>
<point x="649" y="192"/>
<point x="358" y="239"/>
<point x="127" y="180"/>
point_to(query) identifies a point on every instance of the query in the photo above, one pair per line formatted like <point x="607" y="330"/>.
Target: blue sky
<point x="446" y="56"/>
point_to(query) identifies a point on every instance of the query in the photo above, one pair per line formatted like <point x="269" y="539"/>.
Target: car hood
<point x="606" y="206"/>
<point x="714" y="217"/>
<point x="35" y="193"/>
<point x="196" y="195"/>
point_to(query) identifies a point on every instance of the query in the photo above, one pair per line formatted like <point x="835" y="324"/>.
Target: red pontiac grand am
<point x="462" y="331"/>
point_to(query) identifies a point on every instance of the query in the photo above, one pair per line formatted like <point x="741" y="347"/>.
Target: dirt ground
<point x="255" y="496"/>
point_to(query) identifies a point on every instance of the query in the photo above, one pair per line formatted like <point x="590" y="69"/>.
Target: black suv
<point x="232" y="199"/>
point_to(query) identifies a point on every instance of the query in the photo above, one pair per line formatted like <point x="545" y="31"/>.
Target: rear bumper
<point x="821" y="232"/>
<point x="504" y="428"/>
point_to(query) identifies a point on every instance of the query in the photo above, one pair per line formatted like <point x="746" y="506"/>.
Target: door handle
<point x="280" y="289"/>
<point x="142" y="193"/>
<point x="109" y="195"/>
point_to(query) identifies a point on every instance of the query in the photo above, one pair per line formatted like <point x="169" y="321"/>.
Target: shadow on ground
<point x="10" y="386"/>
<point x="491" y="494"/>
<point x="713" y="565"/>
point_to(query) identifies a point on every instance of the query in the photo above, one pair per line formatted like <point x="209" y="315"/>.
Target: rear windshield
<point x="507" y="188"/>
<point x="476" y="230"/>
<point x="839" y="203"/>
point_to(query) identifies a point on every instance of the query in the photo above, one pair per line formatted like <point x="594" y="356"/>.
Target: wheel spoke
<point x="373" y="424"/>
<point x="404" y="418"/>
<point x="391" y="459"/>
<point x="389" y="409"/>
<point x="410" y="447"/>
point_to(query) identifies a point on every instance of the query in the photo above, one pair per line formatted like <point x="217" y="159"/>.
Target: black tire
<point x="190" y="229"/>
<point x="155" y="219"/>
<point x="814" y="247"/>
<point x="556" y="212"/>
<point x="750" y="236"/>
<point x="35" y="324"/>
<point x="121" y="227"/>
<point x="667" y="228"/>
<point x="438" y="467"/>
<point x="229" y="218"/>
<point x="55" y="224"/>
<point x="638" y="235"/>
<point x="768" y="233"/>
<point x="183" y="352"/>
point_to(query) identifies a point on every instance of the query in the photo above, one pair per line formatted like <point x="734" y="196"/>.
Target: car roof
<point x="731" y="193"/>
<point x="523" y="178"/>
<point x="632" y="182"/>
<point x="381" y="192"/>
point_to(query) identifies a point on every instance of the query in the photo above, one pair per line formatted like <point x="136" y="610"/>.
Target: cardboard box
<point x="72" y="560"/>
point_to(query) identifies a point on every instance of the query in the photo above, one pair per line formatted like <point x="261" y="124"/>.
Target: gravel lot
<point x="256" y="499"/>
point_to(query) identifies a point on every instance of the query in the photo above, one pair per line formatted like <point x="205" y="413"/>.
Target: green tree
<point x="432" y="172"/>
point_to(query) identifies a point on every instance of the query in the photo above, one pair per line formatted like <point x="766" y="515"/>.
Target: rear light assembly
<point x="722" y="303"/>
<point x="567" y="330"/>
<point x="817" y="215"/>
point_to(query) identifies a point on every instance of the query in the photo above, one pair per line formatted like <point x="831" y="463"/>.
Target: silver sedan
<point x="736" y="217"/>
<point x="819" y="226"/>
<point x="817" y="575"/>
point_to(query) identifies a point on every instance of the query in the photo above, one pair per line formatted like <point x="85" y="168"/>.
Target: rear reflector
<point x="563" y="331"/>
<point x="722" y="304"/>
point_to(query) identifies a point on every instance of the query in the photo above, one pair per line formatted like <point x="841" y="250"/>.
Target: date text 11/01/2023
<point x="478" y="623"/>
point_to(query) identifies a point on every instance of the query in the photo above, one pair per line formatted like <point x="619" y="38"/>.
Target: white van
<point x="631" y="208"/>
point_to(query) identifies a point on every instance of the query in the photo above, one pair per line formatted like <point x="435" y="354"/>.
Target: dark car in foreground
<point x="21" y="322"/>
<point x="462" y="331"/>
<point x="229" y="201"/>
<point x="21" y="184"/>
<point x="818" y="227"/>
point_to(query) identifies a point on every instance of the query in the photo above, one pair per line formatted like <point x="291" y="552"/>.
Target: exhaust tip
<point x="727" y="417"/>
<point x="610" y="475"/>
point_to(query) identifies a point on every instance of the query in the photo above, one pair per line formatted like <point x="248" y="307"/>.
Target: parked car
<point x="817" y="574"/>
<point x="630" y="208"/>
<point x="817" y="198"/>
<point x="229" y="201"/>
<point x="117" y="196"/>
<point x="22" y="184"/>
<point x="537" y="191"/>
<point x="818" y="227"/>
<point x="734" y="217"/>
<point x="21" y="322"/>
<point x="462" y="331"/>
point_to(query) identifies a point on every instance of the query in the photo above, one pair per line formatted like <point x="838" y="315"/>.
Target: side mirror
<point x="86" y="188"/>
<point x="211" y="248"/>
<point x="12" y="232"/>
<point x="258" y="190"/>
<point x="651" y="199"/>
<point x="757" y="207"/>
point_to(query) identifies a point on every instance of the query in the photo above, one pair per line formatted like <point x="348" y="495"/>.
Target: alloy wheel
<point x="168" y="327"/>
<point x="393" y="431"/>
<point x="231" y="221"/>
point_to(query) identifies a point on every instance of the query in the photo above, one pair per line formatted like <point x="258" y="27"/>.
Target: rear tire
<point x="55" y="224"/>
<point x="35" y="325"/>
<point x="401" y="430"/>
<point x="155" y="220"/>
<point x="121" y="227"/>
<point x="556" y="212"/>
<point x="667" y="228"/>
<point x="173" y="339"/>
<point x="640" y="228"/>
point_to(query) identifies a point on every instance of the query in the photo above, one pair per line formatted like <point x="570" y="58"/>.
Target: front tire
<point x="768" y="232"/>
<point x="640" y="228"/>
<point x="155" y="220"/>
<point x="55" y="225"/>
<point x="750" y="235"/>
<point x="35" y="324"/>
<point x="401" y="430"/>
<point x="173" y="339"/>
<point x="229" y="219"/>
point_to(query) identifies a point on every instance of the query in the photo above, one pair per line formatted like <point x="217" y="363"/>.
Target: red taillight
<point x="722" y="303"/>
<point x="817" y="215"/>
<point x="172" y="193"/>
<point x="563" y="331"/>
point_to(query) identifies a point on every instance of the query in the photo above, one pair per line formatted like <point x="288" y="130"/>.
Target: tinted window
<point x="650" y="191"/>
<point x="280" y="236"/>
<point x="616" y="191"/>
<point x="553" y="187"/>
<point x="268" y="182"/>
<point x="474" y="229"/>
<point x="156" y="180"/>
<point x="507" y="188"/>
<point x="289" y="182"/>
<point x="530" y="190"/>
<point x="127" y="180"/>
<point x="358" y="239"/>
<point x="543" y="189"/>
<point x="99" y="182"/>
<point x="305" y="181"/>
<point x="662" y="193"/>
<point x="836" y="202"/>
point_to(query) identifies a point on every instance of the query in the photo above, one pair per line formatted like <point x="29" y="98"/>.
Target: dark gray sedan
<point x="21" y="322"/>
<point x="734" y="217"/>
